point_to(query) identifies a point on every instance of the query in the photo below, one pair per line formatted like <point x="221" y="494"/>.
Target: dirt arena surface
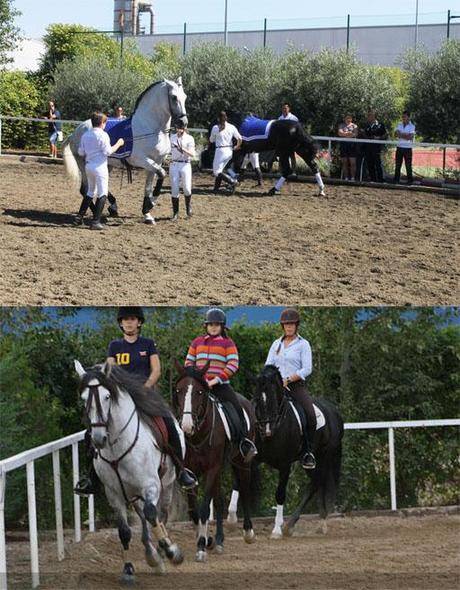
<point x="358" y="245"/>
<point x="357" y="553"/>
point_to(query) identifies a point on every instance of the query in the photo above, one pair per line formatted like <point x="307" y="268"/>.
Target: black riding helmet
<point x="131" y="312"/>
<point x="215" y="316"/>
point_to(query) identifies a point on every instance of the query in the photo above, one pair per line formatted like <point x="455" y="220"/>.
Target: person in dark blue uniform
<point x="374" y="130"/>
<point x="139" y="356"/>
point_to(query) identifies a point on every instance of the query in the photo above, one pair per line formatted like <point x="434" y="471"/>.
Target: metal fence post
<point x="184" y="47"/>
<point x="348" y="32"/>
<point x="3" y="579"/>
<point x="91" y="519"/>
<point x="265" y="33"/>
<point x="58" y="505"/>
<point x="76" y="497"/>
<point x="391" y="447"/>
<point x="33" y="535"/>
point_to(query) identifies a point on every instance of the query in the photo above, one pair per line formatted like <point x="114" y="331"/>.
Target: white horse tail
<point x="71" y="165"/>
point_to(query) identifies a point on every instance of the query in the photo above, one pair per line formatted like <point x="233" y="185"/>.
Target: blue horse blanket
<point x="117" y="129"/>
<point x="253" y="128"/>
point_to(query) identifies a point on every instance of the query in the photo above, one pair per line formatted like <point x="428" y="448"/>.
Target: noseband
<point x="94" y="394"/>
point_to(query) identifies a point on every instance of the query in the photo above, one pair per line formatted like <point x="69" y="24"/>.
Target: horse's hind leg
<point x="243" y="473"/>
<point x="219" y="506"/>
<point x="113" y="206"/>
<point x="232" y="518"/>
<point x="311" y="491"/>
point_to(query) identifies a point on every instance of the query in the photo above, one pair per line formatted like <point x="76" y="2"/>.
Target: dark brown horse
<point x="208" y="452"/>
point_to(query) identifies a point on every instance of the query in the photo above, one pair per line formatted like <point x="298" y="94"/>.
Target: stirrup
<point x="250" y="453"/>
<point x="187" y="479"/>
<point x="84" y="487"/>
<point x="309" y="461"/>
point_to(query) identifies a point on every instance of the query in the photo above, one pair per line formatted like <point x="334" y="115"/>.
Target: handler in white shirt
<point x="286" y="115"/>
<point x="405" y="132"/>
<point x="182" y="151"/>
<point x="291" y="354"/>
<point x="222" y="135"/>
<point x="95" y="148"/>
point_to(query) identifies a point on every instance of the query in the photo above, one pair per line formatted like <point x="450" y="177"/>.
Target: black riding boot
<point x="230" y="181"/>
<point x="308" y="460"/>
<point x="175" y="206"/>
<point x="85" y="203"/>
<point x="113" y="207"/>
<point x="186" y="478"/>
<point x="188" y="205"/>
<point x="96" y="223"/>
<point x="259" y="177"/>
<point x="217" y="183"/>
<point x="89" y="484"/>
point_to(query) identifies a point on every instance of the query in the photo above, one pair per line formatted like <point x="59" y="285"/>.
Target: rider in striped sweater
<point x="217" y="349"/>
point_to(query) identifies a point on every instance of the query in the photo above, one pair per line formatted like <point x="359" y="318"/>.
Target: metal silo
<point x="126" y="15"/>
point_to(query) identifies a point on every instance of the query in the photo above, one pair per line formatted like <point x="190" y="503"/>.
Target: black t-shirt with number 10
<point x="133" y="356"/>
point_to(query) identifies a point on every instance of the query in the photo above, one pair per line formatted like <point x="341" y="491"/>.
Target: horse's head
<point x="98" y="394"/>
<point x="177" y="98"/>
<point x="267" y="399"/>
<point x="190" y="398"/>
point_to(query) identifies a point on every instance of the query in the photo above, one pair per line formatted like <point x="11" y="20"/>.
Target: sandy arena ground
<point x="357" y="553"/>
<point x="356" y="246"/>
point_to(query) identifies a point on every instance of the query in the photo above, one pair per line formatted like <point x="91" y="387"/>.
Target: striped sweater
<point x="220" y="351"/>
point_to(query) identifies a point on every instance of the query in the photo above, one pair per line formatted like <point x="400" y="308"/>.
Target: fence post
<point x="33" y="535"/>
<point x="329" y="151"/>
<point x="76" y="497"/>
<point x="265" y="33"/>
<point x="3" y="580"/>
<point x="391" y="446"/>
<point x="348" y="32"/>
<point x="58" y="505"/>
<point x="184" y="46"/>
<point x="91" y="520"/>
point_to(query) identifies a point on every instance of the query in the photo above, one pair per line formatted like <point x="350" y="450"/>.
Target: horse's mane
<point x="147" y="400"/>
<point x="141" y="96"/>
<point x="194" y="373"/>
<point x="269" y="372"/>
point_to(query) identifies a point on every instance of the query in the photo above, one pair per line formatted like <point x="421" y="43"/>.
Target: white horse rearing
<point x="157" y="108"/>
<point x="128" y="459"/>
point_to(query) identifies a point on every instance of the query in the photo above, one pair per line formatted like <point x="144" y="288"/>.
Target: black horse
<point x="284" y="137"/>
<point x="279" y="440"/>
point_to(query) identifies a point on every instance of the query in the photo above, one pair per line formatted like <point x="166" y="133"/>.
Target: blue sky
<point x="171" y="14"/>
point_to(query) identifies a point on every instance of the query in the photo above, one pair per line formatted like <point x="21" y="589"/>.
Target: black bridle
<point x="201" y="412"/>
<point x="274" y="418"/>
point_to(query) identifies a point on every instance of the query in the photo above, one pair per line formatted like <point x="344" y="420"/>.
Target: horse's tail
<point x="71" y="165"/>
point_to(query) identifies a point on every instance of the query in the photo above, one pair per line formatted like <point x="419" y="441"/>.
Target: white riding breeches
<point x="98" y="180"/>
<point x="180" y="171"/>
<point x="253" y="159"/>
<point x="221" y="158"/>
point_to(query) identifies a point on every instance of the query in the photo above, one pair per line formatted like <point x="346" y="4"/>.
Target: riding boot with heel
<point x="188" y="205"/>
<point x="185" y="477"/>
<point x="217" y="183"/>
<point x="87" y="485"/>
<point x="85" y="203"/>
<point x="175" y="206"/>
<point x="96" y="223"/>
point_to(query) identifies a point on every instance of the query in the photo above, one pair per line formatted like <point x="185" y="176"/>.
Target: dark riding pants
<point x="406" y="155"/>
<point x="298" y="392"/>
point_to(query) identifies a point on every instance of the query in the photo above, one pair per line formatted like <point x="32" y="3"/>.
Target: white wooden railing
<point x="28" y="458"/>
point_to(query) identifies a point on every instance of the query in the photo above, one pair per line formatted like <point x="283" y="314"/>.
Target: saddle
<point x="301" y="416"/>
<point x="229" y="417"/>
<point x="120" y="129"/>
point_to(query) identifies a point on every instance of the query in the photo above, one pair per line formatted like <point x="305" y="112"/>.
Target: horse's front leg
<point x="172" y="550"/>
<point x="124" y="533"/>
<point x="283" y="477"/>
<point x="152" y="556"/>
<point x="232" y="518"/>
<point x="212" y="489"/>
<point x="152" y="169"/>
<point x="286" y="171"/>
<point x="219" y="507"/>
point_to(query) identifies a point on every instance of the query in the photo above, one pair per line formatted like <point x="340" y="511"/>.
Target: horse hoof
<point x="148" y="219"/>
<point x="273" y="192"/>
<point x="321" y="194"/>
<point x="211" y="543"/>
<point x="219" y="549"/>
<point x="112" y="211"/>
<point x="177" y="556"/>
<point x="249" y="536"/>
<point x="322" y="529"/>
<point x="128" y="580"/>
<point x="287" y="531"/>
<point x="200" y="556"/>
<point x="232" y="521"/>
<point x="276" y="534"/>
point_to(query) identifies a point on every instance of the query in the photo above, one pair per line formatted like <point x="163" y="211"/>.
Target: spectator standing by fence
<point x="374" y="130"/>
<point x="286" y="115"/>
<point x="348" y="150"/>
<point x="54" y="128"/>
<point x="405" y="132"/>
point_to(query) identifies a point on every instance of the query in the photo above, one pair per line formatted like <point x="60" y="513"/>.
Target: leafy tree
<point x="9" y="33"/>
<point x="434" y="92"/>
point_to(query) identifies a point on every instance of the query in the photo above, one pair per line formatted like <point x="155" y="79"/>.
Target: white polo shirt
<point x="409" y="128"/>
<point x="223" y="138"/>
<point x="95" y="147"/>
<point x="289" y="117"/>
<point x="185" y="142"/>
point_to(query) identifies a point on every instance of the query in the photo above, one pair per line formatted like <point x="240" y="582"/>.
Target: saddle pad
<point x="253" y="128"/>
<point x="223" y="417"/>
<point x="117" y="129"/>
<point x="320" y="419"/>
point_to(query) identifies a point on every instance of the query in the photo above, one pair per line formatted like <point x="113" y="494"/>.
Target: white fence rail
<point x="29" y="457"/>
